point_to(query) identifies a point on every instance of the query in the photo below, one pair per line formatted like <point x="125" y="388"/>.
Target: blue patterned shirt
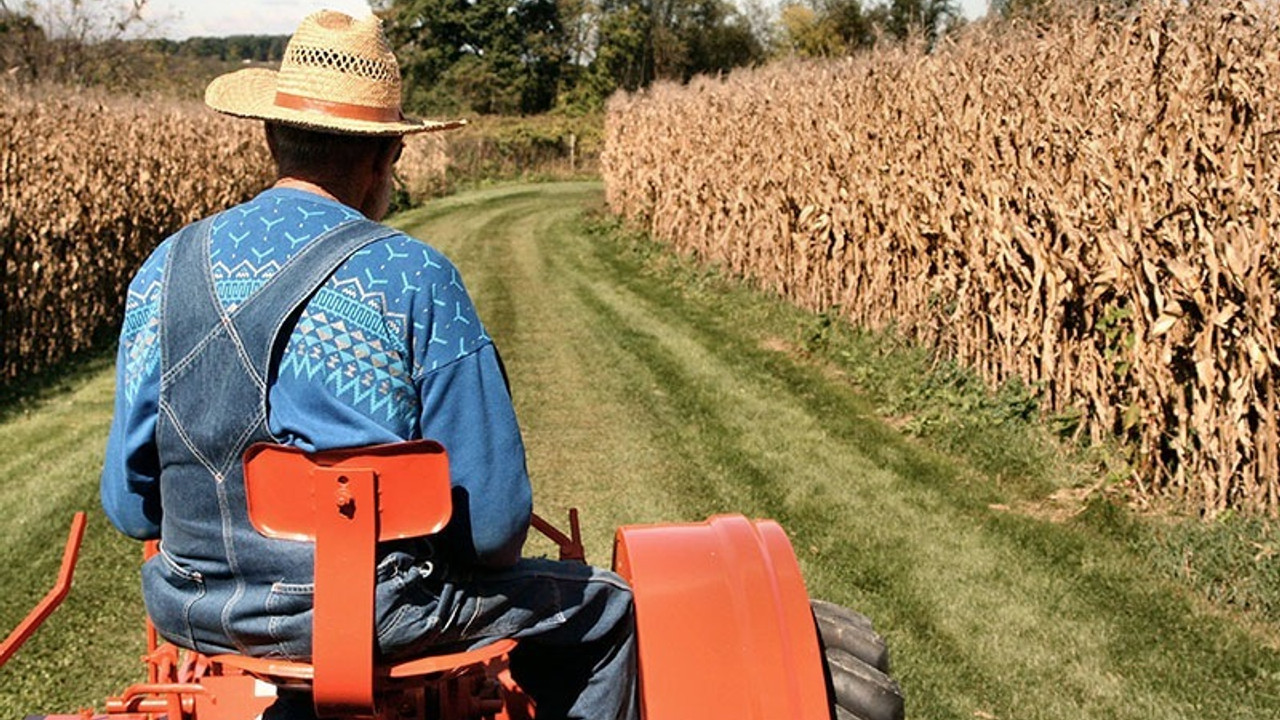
<point x="390" y="348"/>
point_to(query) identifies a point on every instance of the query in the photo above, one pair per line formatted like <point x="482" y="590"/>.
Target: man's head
<point x="334" y="101"/>
<point x="355" y="168"/>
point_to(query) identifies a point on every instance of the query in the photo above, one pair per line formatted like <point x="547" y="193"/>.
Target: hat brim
<point x="251" y="93"/>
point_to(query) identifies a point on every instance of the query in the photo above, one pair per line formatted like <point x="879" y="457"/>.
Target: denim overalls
<point x="215" y="367"/>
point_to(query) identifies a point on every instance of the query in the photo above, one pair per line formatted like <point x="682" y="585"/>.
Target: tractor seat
<point x="347" y="501"/>
<point x="290" y="674"/>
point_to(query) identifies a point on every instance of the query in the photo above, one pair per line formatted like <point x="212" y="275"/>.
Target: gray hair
<point x="304" y="153"/>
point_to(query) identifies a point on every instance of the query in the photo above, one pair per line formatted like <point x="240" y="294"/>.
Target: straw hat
<point x="338" y="75"/>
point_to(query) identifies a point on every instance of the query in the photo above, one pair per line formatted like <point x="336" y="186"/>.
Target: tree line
<point x="529" y="56"/>
<point x="233" y="48"/>
<point x="480" y="56"/>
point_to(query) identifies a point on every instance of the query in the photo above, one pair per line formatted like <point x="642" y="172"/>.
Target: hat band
<point x="348" y="111"/>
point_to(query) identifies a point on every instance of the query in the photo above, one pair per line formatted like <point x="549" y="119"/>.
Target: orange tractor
<point x="725" y="628"/>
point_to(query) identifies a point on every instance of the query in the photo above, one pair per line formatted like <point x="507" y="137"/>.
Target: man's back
<point x="388" y="348"/>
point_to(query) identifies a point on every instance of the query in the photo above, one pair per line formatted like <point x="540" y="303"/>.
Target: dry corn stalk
<point x="1090" y="206"/>
<point x="423" y="165"/>
<point x="89" y="184"/>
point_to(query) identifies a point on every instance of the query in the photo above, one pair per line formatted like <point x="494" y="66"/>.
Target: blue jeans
<point x="576" y="651"/>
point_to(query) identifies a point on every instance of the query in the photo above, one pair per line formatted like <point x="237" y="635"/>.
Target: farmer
<point x="297" y="318"/>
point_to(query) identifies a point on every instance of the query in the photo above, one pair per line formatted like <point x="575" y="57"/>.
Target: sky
<point x="179" y="19"/>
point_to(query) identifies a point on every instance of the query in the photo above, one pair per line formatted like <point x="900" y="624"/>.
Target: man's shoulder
<point x="400" y="256"/>
<point x="144" y="287"/>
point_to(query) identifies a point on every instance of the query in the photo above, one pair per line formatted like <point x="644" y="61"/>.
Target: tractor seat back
<point x="292" y="493"/>
<point x="346" y="501"/>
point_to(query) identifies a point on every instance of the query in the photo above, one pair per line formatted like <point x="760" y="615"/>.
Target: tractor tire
<point x="844" y="629"/>
<point x="839" y="611"/>
<point x="857" y="684"/>
<point x="862" y="690"/>
<point x="842" y="714"/>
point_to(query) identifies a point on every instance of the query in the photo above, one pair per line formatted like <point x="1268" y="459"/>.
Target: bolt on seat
<point x="346" y="501"/>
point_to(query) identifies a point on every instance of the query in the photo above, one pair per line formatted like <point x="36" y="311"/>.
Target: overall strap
<point x="281" y="296"/>
<point x="194" y="316"/>
<point x="187" y="299"/>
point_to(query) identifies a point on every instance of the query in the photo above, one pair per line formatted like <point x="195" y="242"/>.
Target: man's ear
<point x="271" y="139"/>
<point x="387" y="157"/>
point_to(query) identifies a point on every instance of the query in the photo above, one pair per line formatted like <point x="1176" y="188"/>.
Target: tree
<point x="21" y="43"/>
<point x="855" y="25"/>
<point x="839" y="27"/>
<point x="623" y="54"/>
<point x="70" y="41"/>
<point x="931" y="18"/>
<point x="760" y="17"/>
<point x="646" y="40"/>
<point x="486" y="56"/>
<point x="717" y="38"/>
<point x="504" y="56"/>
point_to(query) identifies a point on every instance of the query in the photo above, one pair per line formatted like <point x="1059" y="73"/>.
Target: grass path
<point x="651" y="394"/>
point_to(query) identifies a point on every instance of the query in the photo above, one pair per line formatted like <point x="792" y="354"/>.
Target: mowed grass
<point x="51" y="448"/>
<point x="651" y="391"/>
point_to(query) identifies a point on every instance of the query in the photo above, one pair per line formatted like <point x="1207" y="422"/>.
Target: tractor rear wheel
<point x="844" y="629"/>
<point x="856" y="664"/>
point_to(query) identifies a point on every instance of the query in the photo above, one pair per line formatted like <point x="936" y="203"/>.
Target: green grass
<point x="652" y="390"/>
<point x="51" y="445"/>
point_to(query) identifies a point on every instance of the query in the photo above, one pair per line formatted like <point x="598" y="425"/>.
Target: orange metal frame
<point x="53" y="598"/>
<point x="347" y="501"/>
<point x="346" y="496"/>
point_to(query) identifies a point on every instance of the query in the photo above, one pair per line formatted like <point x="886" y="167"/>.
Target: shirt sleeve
<point x="466" y="406"/>
<point x="130" y="482"/>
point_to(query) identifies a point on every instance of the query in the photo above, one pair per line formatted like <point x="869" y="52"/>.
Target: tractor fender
<point x="724" y="627"/>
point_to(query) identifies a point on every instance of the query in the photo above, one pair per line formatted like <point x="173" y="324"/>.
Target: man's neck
<point x="335" y="194"/>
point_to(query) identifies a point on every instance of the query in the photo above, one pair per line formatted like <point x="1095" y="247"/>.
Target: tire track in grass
<point x="714" y="470"/>
<point x="565" y="391"/>
<point x="1127" y="643"/>
<point x="1213" y="650"/>
<point x="744" y="445"/>
<point x="1035" y="619"/>
<point x="987" y="612"/>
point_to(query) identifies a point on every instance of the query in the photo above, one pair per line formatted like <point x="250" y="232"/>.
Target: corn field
<point x="1088" y="204"/>
<point x="90" y="183"/>
<point x="421" y="170"/>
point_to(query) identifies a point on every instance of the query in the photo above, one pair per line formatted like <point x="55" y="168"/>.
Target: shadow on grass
<point x="30" y="392"/>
